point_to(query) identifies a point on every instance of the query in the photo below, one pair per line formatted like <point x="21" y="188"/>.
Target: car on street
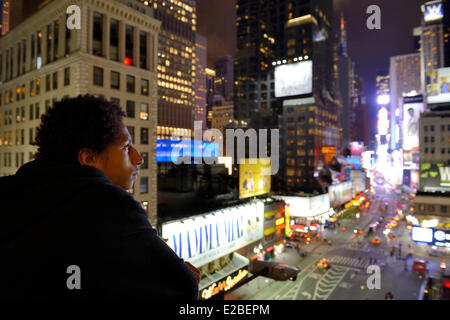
<point x="323" y="264"/>
<point x="290" y="245"/>
<point x="274" y="270"/>
<point x="376" y="241"/>
<point x="420" y="267"/>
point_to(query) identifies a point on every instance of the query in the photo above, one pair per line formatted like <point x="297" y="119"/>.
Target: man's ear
<point x="87" y="157"/>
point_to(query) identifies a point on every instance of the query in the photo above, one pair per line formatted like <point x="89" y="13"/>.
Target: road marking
<point x="307" y="295"/>
<point x="324" y="289"/>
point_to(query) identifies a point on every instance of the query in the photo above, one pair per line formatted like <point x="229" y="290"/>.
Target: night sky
<point x="370" y="49"/>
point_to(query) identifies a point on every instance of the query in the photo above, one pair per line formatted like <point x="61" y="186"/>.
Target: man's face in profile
<point x="120" y="161"/>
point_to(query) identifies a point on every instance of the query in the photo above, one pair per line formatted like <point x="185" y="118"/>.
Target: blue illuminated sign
<point x="170" y="150"/>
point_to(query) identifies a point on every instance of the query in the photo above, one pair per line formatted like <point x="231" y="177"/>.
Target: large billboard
<point x="356" y="148"/>
<point x="293" y="79"/>
<point x="411" y="115"/>
<point x="431" y="236"/>
<point x="340" y="193"/>
<point x="307" y="206"/>
<point x="433" y="11"/>
<point x="438" y="85"/>
<point x="254" y="179"/>
<point x="205" y="238"/>
<point x="168" y="150"/>
<point x="434" y="177"/>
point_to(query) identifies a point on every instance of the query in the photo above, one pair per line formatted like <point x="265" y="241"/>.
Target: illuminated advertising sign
<point x="383" y="99"/>
<point x="411" y="115"/>
<point x="356" y="148"/>
<point x="420" y="234"/>
<point x="170" y="150"/>
<point x="434" y="177"/>
<point x="293" y="79"/>
<point x="438" y="85"/>
<point x="431" y="236"/>
<point x="355" y="162"/>
<point x="224" y="284"/>
<point x="254" y="179"/>
<point x="383" y="121"/>
<point x="433" y="11"/>
<point x="205" y="238"/>
<point x="340" y="193"/>
<point x="307" y="206"/>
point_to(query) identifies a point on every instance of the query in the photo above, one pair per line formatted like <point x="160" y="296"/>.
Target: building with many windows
<point x="200" y="110"/>
<point x="4" y="17"/>
<point x="113" y="54"/>
<point x="177" y="68"/>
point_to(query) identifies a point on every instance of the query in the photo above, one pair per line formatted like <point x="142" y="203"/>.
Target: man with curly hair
<point x="69" y="229"/>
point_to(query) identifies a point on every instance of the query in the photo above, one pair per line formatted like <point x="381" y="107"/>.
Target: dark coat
<point x="55" y="216"/>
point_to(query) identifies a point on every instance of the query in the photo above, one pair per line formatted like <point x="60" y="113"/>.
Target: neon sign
<point x="224" y="285"/>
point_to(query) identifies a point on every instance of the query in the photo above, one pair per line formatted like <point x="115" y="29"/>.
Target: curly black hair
<point x="76" y="123"/>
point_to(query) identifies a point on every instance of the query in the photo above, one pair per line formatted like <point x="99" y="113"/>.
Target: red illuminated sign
<point x="128" y="61"/>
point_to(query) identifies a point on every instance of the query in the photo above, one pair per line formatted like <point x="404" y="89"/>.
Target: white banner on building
<point x="205" y="238"/>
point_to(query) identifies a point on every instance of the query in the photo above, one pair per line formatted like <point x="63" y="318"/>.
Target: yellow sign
<point x="224" y="285"/>
<point x="328" y="150"/>
<point x="254" y="177"/>
<point x="279" y="221"/>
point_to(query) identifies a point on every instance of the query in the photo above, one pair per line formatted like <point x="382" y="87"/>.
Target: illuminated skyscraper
<point x="200" y="80"/>
<point x="405" y="74"/>
<point x="177" y="69"/>
<point x="4" y="17"/>
<point x="267" y="38"/>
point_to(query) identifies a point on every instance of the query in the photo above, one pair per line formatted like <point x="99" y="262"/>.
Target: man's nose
<point x="137" y="159"/>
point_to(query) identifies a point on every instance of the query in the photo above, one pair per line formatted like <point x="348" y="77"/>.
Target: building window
<point x="38" y="86"/>
<point x="432" y="139"/>
<point x="144" y="135"/>
<point x="98" y="76"/>
<point x="67" y="76"/>
<point x="431" y="207"/>
<point x="129" y="54"/>
<point x="130" y="109"/>
<point x="39" y="50"/>
<point x="97" y="41"/>
<point x="115" y="80"/>
<point x="49" y="43"/>
<point x="68" y="39"/>
<point x="144" y="164"/>
<point x="55" y="39"/>
<point x="31" y="112"/>
<point x="144" y="111"/>
<point x="130" y="84"/>
<point x="114" y="40"/>
<point x="143" y="50"/>
<point x="143" y="185"/>
<point x="432" y="128"/>
<point x="443" y="209"/>
<point x="144" y="87"/>
<point x="37" y="113"/>
<point x="47" y="83"/>
<point x="31" y="135"/>
<point x="55" y="80"/>
<point x="426" y="139"/>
